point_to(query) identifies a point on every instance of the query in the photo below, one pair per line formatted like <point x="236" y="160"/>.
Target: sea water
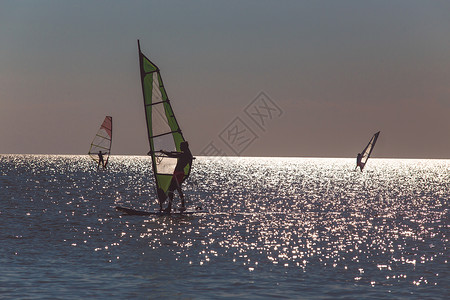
<point x="299" y="228"/>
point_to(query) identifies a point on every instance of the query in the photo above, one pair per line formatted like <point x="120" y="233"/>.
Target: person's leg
<point x="169" y="205"/>
<point x="181" y="196"/>
<point x="180" y="192"/>
<point x="161" y="198"/>
<point x="172" y="188"/>
<point x="176" y="181"/>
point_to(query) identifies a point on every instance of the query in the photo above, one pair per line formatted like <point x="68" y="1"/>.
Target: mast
<point x="141" y="69"/>
<point x="110" y="141"/>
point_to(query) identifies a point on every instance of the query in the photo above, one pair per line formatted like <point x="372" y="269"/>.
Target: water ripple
<point x="275" y="227"/>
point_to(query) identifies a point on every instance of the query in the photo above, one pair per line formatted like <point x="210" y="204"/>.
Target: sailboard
<point x="164" y="132"/>
<point x="134" y="212"/>
<point x="102" y="141"/>
<point x="365" y="154"/>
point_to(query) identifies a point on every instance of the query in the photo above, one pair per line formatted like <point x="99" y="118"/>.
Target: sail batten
<point x="163" y="130"/>
<point x="170" y="132"/>
<point x="98" y="146"/>
<point x="103" y="137"/>
<point x="158" y="102"/>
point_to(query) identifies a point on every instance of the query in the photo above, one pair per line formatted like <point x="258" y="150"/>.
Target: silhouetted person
<point x="184" y="158"/>
<point x="100" y="160"/>
<point x="358" y="162"/>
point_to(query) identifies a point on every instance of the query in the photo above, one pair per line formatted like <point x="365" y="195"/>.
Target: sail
<point x="163" y="130"/>
<point x="102" y="141"/>
<point x="365" y="154"/>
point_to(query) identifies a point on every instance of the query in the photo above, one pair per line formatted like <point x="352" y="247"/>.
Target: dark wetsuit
<point x="184" y="159"/>
<point x="358" y="161"/>
<point x="100" y="160"/>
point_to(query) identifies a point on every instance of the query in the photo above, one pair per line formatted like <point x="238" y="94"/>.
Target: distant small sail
<point x="365" y="154"/>
<point x="163" y="130"/>
<point x="102" y="141"/>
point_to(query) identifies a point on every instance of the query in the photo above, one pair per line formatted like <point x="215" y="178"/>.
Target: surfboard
<point x="134" y="212"/>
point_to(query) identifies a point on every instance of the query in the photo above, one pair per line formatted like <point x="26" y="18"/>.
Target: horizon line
<point x="233" y="156"/>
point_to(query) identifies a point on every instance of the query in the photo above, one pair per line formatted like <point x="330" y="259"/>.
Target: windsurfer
<point x="184" y="158"/>
<point x="358" y="161"/>
<point x="100" y="160"/>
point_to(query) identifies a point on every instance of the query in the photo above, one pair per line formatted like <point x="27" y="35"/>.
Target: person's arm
<point x="171" y="154"/>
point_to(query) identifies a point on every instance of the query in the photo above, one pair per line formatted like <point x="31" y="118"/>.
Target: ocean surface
<point x="293" y="228"/>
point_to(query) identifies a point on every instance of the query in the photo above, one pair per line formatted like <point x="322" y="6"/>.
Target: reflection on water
<point x="275" y="227"/>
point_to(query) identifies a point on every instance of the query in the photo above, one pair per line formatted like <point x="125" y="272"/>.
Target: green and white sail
<point x="102" y="141"/>
<point x="163" y="130"/>
<point x="365" y="154"/>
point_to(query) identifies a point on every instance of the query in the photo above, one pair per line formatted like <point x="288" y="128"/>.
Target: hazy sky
<point x="334" y="72"/>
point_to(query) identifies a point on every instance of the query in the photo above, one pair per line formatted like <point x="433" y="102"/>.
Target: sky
<point x="249" y="78"/>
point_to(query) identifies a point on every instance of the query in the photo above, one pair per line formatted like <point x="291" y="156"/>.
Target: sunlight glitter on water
<point x="329" y="213"/>
<point x="270" y="217"/>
